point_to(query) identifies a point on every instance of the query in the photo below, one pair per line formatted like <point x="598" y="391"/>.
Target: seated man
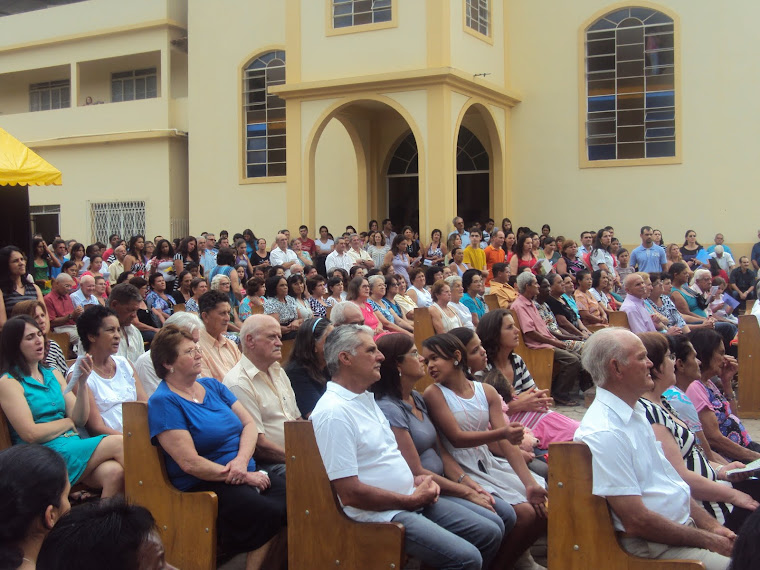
<point x="358" y="255"/>
<point x="742" y="280"/>
<point x="125" y="299"/>
<point x="85" y="295"/>
<point x="724" y="259"/>
<point x="650" y="502"/>
<point x="346" y="313"/>
<point x="500" y="286"/>
<point x="372" y="479"/>
<point x="284" y="257"/>
<point x="639" y="318"/>
<point x="261" y="385"/>
<point x="567" y="365"/>
<point x="220" y="353"/>
<point x="63" y="315"/>
<point x="339" y="259"/>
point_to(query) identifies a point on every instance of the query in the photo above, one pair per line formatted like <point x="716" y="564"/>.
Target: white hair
<point x="523" y="280"/>
<point x="338" y="312"/>
<point x="600" y="349"/>
<point x="217" y="281"/>
<point x="346" y="338"/>
<point x="186" y="321"/>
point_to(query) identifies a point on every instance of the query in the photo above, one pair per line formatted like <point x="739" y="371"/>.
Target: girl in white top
<point x="600" y="256"/>
<point x="444" y="317"/>
<point x="417" y="291"/>
<point x="113" y="379"/>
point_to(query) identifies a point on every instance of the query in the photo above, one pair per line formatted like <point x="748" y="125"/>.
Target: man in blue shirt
<point x="648" y="257"/>
<point x="719" y="241"/>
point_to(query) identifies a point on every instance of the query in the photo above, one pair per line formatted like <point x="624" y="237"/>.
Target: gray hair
<point x="217" y="281"/>
<point x="698" y="274"/>
<point x="523" y="280"/>
<point x="372" y="280"/>
<point x="64" y="278"/>
<point x="451" y="280"/>
<point x="186" y="321"/>
<point x="338" y="312"/>
<point x="343" y="339"/>
<point x="602" y="347"/>
<point x="252" y="325"/>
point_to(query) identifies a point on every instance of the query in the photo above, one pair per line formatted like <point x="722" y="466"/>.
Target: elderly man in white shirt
<point x="650" y="502"/>
<point x="725" y="260"/>
<point x="85" y="295"/>
<point x="359" y="256"/>
<point x="261" y="385"/>
<point x="285" y="257"/>
<point x="338" y="259"/>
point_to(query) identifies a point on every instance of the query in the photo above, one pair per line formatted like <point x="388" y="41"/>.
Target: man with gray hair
<point x="372" y="479"/>
<point x="84" y="296"/>
<point x="285" y="257"/>
<point x="567" y="369"/>
<point x="650" y="502"/>
<point x="357" y="254"/>
<point x="346" y="313"/>
<point x="61" y="311"/>
<point x="189" y="322"/>
<point x="261" y="385"/>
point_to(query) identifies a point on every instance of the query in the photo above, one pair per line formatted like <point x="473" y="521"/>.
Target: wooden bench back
<point x="287" y="348"/>
<point x="185" y="521"/>
<point x="492" y="302"/>
<point x="423" y="329"/>
<point x="618" y="319"/>
<point x="178" y="308"/>
<point x="749" y="367"/>
<point x="320" y="535"/>
<point x="581" y="535"/>
<point x="5" y="432"/>
<point x="63" y="341"/>
<point x="539" y="361"/>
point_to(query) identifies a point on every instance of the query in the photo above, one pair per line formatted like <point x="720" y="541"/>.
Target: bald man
<point x="85" y="295"/>
<point x="261" y="385"/>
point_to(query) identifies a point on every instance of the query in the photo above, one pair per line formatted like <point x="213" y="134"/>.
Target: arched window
<point x="630" y="86"/>
<point x="471" y="154"/>
<point x="264" y="116"/>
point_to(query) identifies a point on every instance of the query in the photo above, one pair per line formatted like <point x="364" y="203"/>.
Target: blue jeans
<point x="450" y="536"/>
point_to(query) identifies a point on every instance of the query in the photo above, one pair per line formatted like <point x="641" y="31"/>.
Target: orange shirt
<point x="493" y="255"/>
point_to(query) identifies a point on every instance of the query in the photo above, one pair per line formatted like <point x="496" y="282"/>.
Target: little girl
<point x="624" y="269"/>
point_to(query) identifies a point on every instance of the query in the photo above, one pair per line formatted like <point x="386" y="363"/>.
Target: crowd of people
<point x="195" y="328"/>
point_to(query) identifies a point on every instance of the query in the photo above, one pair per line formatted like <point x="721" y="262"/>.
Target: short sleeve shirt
<point x="649" y="260"/>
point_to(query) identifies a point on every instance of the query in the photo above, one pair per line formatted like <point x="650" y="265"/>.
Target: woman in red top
<point x="524" y="255"/>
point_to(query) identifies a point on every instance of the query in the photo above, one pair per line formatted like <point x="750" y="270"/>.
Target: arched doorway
<point x="473" y="178"/>
<point x="404" y="184"/>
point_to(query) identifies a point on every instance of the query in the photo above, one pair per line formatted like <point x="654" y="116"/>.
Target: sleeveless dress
<point x="400" y="264"/>
<point x="494" y="474"/>
<point x="111" y="393"/>
<point x="448" y="322"/>
<point x="424" y="298"/>
<point x="10" y="299"/>
<point x="47" y="404"/>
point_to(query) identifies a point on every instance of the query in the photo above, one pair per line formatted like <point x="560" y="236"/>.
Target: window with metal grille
<point x="50" y="95"/>
<point x="348" y="13"/>
<point x="630" y="86"/>
<point x="133" y="85"/>
<point x="124" y="218"/>
<point x="264" y="116"/>
<point x="477" y="16"/>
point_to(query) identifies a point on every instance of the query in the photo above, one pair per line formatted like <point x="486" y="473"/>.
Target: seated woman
<point x="662" y="303"/>
<point x="462" y="410"/>
<point x="317" y="287"/>
<point x="444" y="317"/>
<point x="208" y="438"/>
<point x="146" y="320"/>
<point x="281" y="306"/>
<point x="113" y="379"/>
<point x="358" y="293"/>
<point x="254" y="295"/>
<point x="524" y="256"/>
<point x="528" y="405"/>
<point x="157" y="300"/>
<point x="572" y="338"/>
<point x="35" y="488"/>
<point x="731" y="505"/>
<point x="297" y="290"/>
<point x="569" y="263"/>
<point x="15" y="284"/>
<point x="591" y="312"/>
<point x="306" y="366"/>
<point x="403" y="300"/>
<point x="54" y="357"/>
<point x="567" y="318"/>
<point x="457" y="292"/>
<point x="472" y="281"/>
<point x="416" y="290"/>
<point x="457" y="265"/>
<point x="723" y="429"/>
<point x="461" y="497"/>
<point x="182" y="294"/>
<point x="386" y="315"/>
<point x="198" y="287"/>
<point x="32" y="398"/>
<point x="335" y="291"/>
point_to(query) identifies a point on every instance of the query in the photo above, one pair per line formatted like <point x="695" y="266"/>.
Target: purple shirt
<point x="639" y="319"/>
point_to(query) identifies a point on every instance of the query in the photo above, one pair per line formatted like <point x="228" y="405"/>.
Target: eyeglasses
<point x="192" y="351"/>
<point x="414" y="353"/>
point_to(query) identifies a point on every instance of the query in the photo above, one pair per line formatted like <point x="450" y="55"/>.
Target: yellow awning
<point x="21" y="165"/>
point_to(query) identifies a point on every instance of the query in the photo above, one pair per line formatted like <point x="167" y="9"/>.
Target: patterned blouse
<point x="287" y="310"/>
<point x="669" y="310"/>
<point x="155" y="302"/>
<point x="318" y="308"/>
<point x="384" y="310"/>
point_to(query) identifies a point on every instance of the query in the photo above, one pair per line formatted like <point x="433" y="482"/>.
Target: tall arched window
<point x="630" y="86"/>
<point x="264" y="116"/>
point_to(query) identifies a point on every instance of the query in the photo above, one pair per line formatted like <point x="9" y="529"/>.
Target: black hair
<point x="273" y="270"/>
<point x="153" y="276"/>
<point x="183" y="249"/>
<point x="226" y="256"/>
<point x="596" y="277"/>
<point x="430" y="274"/>
<point x="445" y="345"/>
<point x="124" y="293"/>
<point x="271" y="285"/>
<point x="332" y="282"/>
<point x="296" y="278"/>
<point x="705" y="343"/>
<point x="394" y="348"/>
<point x="253" y="285"/>
<point x="468" y="276"/>
<point x="313" y="282"/>
<point x="32" y="477"/>
<point x="747" y="546"/>
<point x="7" y="284"/>
<point x="489" y="331"/>
<point x="11" y="359"/>
<point x="90" y="321"/>
<point x="210" y="299"/>
<point x="304" y="353"/>
<point x="97" y="535"/>
<point x="131" y="249"/>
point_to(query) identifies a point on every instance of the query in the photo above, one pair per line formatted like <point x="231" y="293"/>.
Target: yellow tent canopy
<point x="21" y="165"/>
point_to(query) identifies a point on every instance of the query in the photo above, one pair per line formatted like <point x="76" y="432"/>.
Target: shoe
<point x="526" y="562"/>
<point x="567" y="403"/>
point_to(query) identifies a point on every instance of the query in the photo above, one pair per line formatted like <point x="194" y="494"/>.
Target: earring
<point x="456" y="363"/>
<point x="171" y="370"/>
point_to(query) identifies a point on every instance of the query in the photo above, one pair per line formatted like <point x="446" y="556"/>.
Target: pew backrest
<point x="539" y="361"/>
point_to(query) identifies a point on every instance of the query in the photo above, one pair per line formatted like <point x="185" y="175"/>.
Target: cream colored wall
<point x="95" y="76"/>
<point x="362" y="53"/>
<point x="720" y="171"/>
<point x="14" y="87"/>
<point x="471" y="52"/>
<point x="220" y="45"/>
<point x="104" y="173"/>
<point x="336" y="203"/>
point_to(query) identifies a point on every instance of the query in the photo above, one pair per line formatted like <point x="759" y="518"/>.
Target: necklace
<point x="187" y="393"/>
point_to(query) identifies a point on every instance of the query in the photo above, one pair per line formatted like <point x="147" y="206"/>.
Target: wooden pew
<point x="618" y="319"/>
<point x="581" y="535"/>
<point x="423" y="329"/>
<point x="63" y="341"/>
<point x="749" y="367"/>
<point x="320" y="535"/>
<point x="179" y="308"/>
<point x="540" y="361"/>
<point x="750" y="304"/>
<point x="185" y="521"/>
<point x="5" y="432"/>
<point x="492" y="302"/>
<point x="287" y="348"/>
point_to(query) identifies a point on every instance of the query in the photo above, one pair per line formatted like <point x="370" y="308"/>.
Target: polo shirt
<point x="627" y="460"/>
<point x="475" y="258"/>
<point x="530" y="321"/>
<point x="219" y="356"/>
<point x="271" y="401"/>
<point x="338" y="261"/>
<point x="355" y="439"/>
<point x="505" y="293"/>
<point x="493" y="255"/>
<point x="278" y="257"/>
<point x="58" y="306"/>
<point x="639" y="318"/>
<point x="649" y="259"/>
<point x="357" y="256"/>
<point x="79" y="300"/>
<point x="726" y="249"/>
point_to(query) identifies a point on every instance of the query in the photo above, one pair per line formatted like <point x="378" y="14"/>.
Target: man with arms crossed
<point x="372" y="479"/>
<point x="651" y="505"/>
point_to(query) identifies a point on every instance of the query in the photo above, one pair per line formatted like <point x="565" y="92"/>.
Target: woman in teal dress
<point x="32" y="398"/>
